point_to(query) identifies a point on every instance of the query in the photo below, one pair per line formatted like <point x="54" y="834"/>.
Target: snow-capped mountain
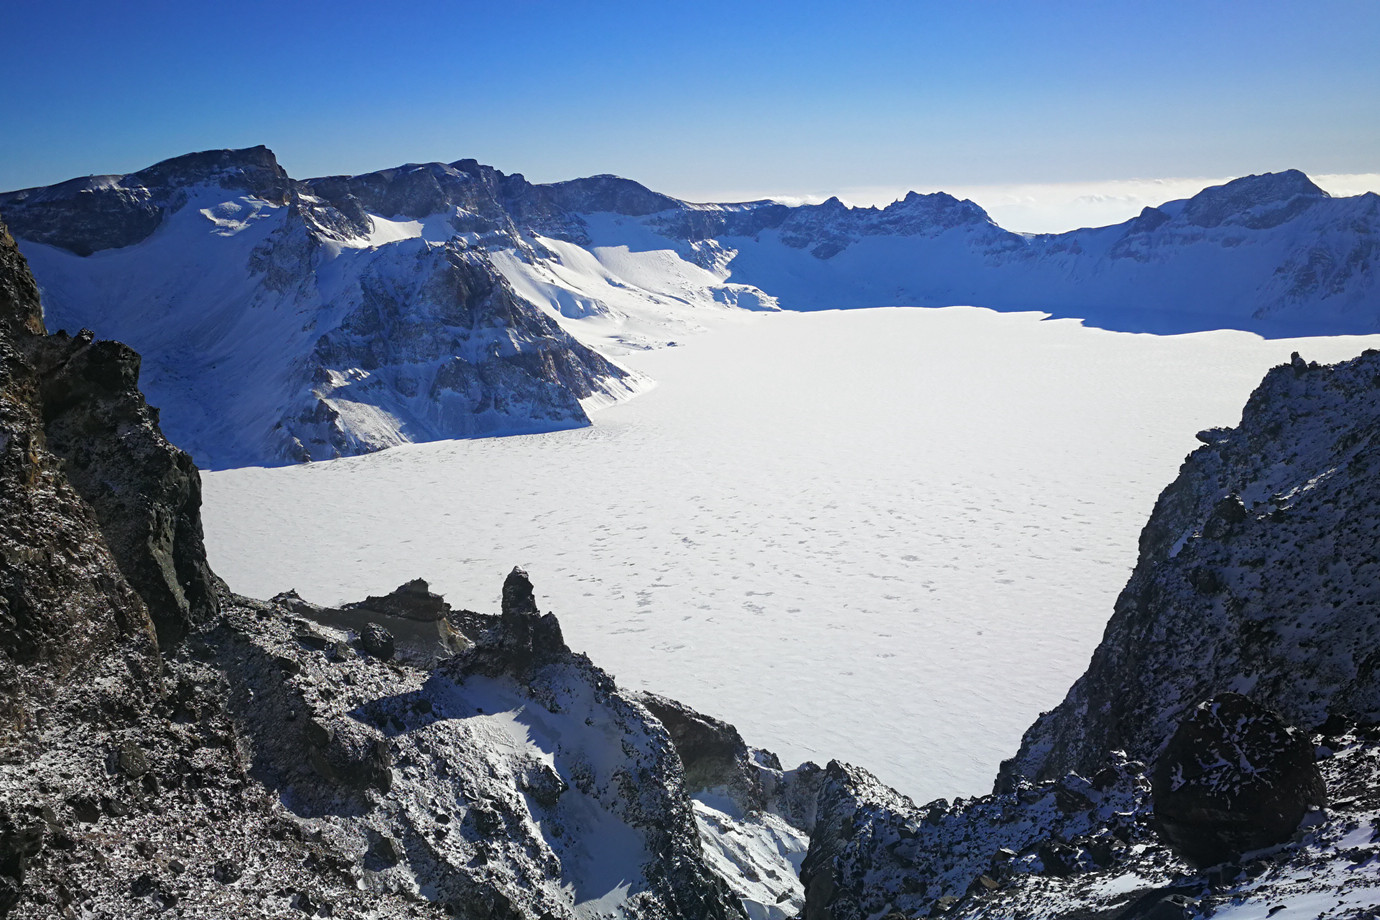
<point x="279" y="328"/>
<point x="285" y="320"/>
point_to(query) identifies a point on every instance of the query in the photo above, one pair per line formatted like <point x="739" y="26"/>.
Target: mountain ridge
<point x="252" y="295"/>
<point x="1208" y="208"/>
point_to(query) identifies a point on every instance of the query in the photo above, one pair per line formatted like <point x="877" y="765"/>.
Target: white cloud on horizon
<point x="1054" y="207"/>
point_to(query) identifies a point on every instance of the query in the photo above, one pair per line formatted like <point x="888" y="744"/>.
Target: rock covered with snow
<point x="1322" y="869"/>
<point x="1233" y="778"/>
<point x="514" y="778"/>
<point x="321" y="780"/>
<point x="874" y="851"/>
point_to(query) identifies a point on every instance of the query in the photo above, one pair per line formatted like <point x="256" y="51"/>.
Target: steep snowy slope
<point x="284" y="320"/>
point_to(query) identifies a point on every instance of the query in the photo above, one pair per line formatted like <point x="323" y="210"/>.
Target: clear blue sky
<point x="697" y="97"/>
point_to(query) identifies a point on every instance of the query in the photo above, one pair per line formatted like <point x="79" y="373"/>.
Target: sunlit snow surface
<point x="890" y="536"/>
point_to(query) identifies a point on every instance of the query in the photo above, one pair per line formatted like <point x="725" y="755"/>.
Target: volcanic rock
<point x="377" y="641"/>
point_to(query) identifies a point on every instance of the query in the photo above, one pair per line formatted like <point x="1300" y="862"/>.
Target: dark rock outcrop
<point x="350" y="754"/>
<point x="145" y="493"/>
<point x="522" y="641"/>
<point x="412" y="622"/>
<point x="713" y="753"/>
<point x="1233" y="778"/>
<point x="377" y="641"/>
<point x="411" y="601"/>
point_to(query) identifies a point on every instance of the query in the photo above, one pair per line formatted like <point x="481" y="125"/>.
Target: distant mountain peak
<point x="108" y="212"/>
<point x="1256" y="201"/>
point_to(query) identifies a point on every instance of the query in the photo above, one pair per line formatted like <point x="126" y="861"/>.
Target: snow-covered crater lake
<point x="888" y="536"/>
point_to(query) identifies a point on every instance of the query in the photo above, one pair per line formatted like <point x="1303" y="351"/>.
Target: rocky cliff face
<point x="441" y="349"/>
<point x="1256" y="575"/>
<point x="102" y="533"/>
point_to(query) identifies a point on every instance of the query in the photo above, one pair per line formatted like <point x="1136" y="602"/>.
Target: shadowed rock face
<point x="411" y="601"/>
<point x="146" y="494"/>
<point x="1233" y="778"/>
<point x="713" y="753"/>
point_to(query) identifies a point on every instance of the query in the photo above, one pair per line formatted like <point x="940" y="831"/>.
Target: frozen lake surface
<point x="887" y="536"/>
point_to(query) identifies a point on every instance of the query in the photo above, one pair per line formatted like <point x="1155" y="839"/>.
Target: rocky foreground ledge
<point x="170" y="748"/>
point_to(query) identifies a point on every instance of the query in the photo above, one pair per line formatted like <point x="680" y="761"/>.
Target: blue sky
<point x="700" y="100"/>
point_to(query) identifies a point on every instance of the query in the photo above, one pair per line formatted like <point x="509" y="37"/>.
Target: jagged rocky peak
<point x="1258" y="202"/>
<point x="941" y="205"/>
<point x="609" y="193"/>
<point x="489" y="198"/>
<point x="416" y="190"/>
<point x="253" y="169"/>
<point x="523" y="641"/>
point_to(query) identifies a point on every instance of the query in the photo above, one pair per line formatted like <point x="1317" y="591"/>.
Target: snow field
<point x="890" y="536"/>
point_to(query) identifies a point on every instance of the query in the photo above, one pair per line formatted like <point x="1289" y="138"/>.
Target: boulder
<point x="1233" y="778"/>
<point x="412" y="601"/>
<point x="350" y="754"/>
<point x="377" y="641"/>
